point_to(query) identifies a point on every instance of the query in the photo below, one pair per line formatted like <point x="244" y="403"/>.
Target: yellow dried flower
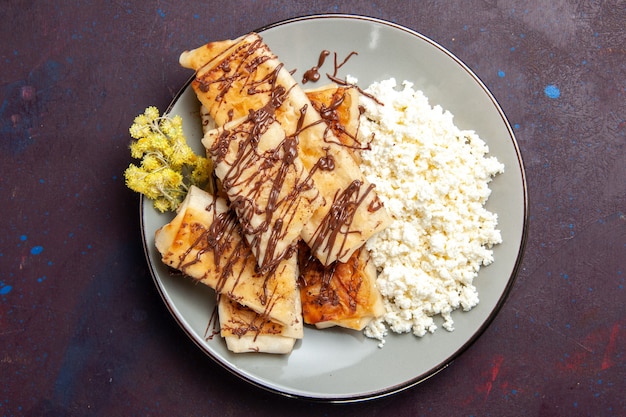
<point x="168" y="165"/>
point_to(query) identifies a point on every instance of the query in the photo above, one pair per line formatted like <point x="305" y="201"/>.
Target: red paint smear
<point x="491" y="376"/>
<point x="504" y="387"/>
<point x="601" y="340"/>
<point x="611" y="348"/>
<point x="467" y="401"/>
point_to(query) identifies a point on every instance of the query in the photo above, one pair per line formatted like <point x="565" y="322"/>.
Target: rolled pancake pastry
<point x="204" y="242"/>
<point x="281" y="237"/>
<point x="238" y="78"/>
<point x="341" y="294"/>
<point x="246" y="331"/>
<point x="266" y="183"/>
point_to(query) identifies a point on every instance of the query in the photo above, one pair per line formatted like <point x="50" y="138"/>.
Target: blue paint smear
<point x="552" y="91"/>
<point x="36" y="250"/>
<point x="5" y="290"/>
<point x="83" y="351"/>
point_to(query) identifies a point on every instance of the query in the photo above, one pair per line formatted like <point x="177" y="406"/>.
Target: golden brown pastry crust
<point x="341" y="294"/>
<point x="204" y="242"/>
<point x="246" y="77"/>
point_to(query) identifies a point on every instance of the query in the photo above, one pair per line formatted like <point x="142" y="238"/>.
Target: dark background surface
<point x="83" y="330"/>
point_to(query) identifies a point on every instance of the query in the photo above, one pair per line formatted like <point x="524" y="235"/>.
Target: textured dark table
<point x="83" y="330"/>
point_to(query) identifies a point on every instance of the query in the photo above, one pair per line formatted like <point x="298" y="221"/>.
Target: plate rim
<point x="390" y="390"/>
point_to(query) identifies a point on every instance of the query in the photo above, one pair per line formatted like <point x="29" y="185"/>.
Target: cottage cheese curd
<point x="433" y="179"/>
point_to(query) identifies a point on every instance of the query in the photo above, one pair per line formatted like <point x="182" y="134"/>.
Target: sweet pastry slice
<point x="339" y="107"/>
<point x="207" y="53"/>
<point x="244" y="76"/>
<point x="243" y="329"/>
<point x="234" y="77"/>
<point x="246" y="331"/>
<point x="341" y="294"/>
<point x="267" y="184"/>
<point x="204" y="242"/>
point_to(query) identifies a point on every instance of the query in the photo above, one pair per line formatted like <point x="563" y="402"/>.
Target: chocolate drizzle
<point x="313" y="74"/>
<point x="213" y="326"/>
<point x="331" y="115"/>
<point x="244" y="322"/>
<point x="217" y="245"/>
<point x="227" y="73"/>
<point x="330" y="292"/>
<point x="251" y="169"/>
<point x="334" y="228"/>
<point x="252" y="86"/>
<point x="342" y="63"/>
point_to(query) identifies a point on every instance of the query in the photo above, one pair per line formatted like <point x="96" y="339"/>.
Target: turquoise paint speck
<point x="516" y="126"/>
<point x="552" y="91"/>
<point x="36" y="250"/>
<point x="501" y="74"/>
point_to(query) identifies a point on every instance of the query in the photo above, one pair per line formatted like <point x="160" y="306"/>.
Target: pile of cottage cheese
<point x="433" y="179"/>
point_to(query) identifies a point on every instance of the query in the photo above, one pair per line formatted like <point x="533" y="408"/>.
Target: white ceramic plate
<point x="337" y="365"/>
